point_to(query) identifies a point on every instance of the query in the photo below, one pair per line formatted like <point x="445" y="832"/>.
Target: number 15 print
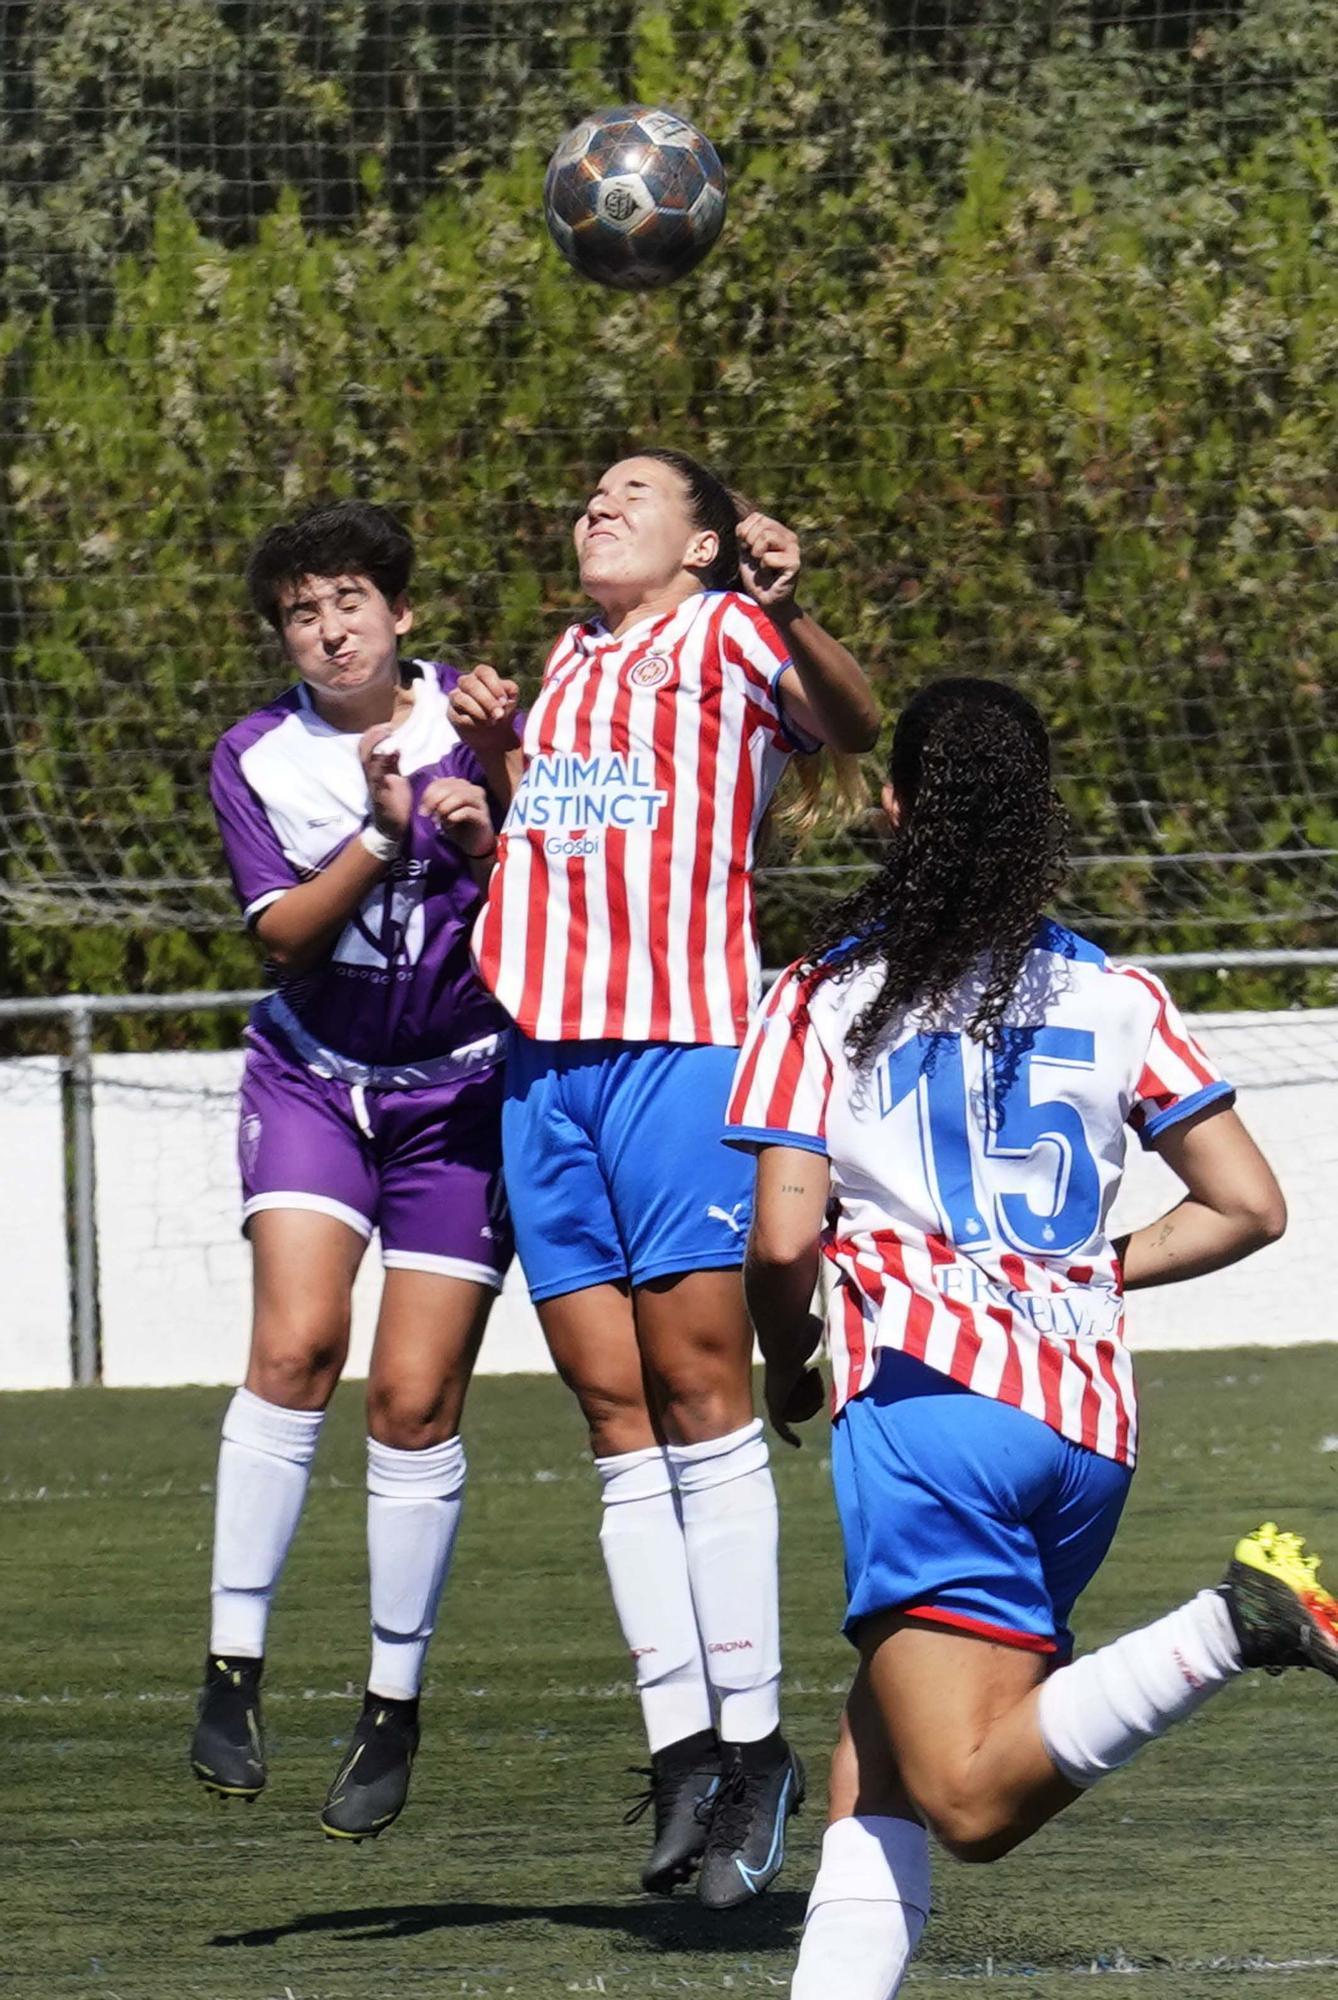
<point x="1019" y="1123"/>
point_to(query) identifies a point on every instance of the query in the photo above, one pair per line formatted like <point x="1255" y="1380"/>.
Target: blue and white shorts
<point x="966" y="1512"/>
<point x="614" y="1164"/>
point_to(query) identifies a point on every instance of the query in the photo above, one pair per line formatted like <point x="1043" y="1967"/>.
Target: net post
<point x="83" y="1196"/>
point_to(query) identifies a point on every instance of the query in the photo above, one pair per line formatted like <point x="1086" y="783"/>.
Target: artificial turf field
<point x="1211" y="1862"/>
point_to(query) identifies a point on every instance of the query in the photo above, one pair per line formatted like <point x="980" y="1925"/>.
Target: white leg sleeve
<point x="1097" y="1713"/>
<point x="264" y="1462"/>
<point x="730" y="1526"/>
<point x="414" y="1500"/>
<point x="641" y="1537"/>
<point x="869" y="1905"/>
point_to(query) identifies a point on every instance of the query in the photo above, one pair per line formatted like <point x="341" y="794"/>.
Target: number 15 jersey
<point x="971" y="1187"/>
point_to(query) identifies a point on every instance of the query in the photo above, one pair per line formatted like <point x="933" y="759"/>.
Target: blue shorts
<point x="967" y="1512"/>
<point x="614" y="1162"/>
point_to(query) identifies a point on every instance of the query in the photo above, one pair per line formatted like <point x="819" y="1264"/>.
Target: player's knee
<point x="695" y="1412"/>
<point x="617" y="1428"/>
<point x="971" y="1828"/>
<point x="298" y="1364"/>
<point x="616" y="1419"/>
<point x="408" y="1418"/>
<point x="701" y="1392"/>
<point x="975" y="1848"/>
<point x="296" y="1380"/>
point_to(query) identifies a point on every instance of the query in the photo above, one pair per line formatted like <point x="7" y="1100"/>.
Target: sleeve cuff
<point x="259" y="903"/>
<point x="1185" y="1107"/>
<point x="807" y="746"/>
<point x="748" y="1138"/>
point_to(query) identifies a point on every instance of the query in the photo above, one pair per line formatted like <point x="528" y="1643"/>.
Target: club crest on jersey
<point x="651" y="671"/>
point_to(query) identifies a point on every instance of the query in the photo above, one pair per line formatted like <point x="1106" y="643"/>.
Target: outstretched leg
<point x="989" y="1749"/>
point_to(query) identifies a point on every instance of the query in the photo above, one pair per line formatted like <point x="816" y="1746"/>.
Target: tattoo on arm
<point x="792" y="1187"/>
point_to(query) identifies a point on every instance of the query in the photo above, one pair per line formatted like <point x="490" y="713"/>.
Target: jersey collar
<point x="594" y="635"/>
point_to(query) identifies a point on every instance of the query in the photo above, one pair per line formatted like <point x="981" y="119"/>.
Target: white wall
<point x="1285" y="1068"/>
<point x="174" y="1276"/>
<point x="34" y="1280"/>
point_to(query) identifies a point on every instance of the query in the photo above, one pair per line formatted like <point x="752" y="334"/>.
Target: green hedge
<point x="1042" y="355"/>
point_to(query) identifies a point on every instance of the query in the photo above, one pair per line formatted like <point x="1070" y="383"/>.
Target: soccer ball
<point x="634" y="197"/>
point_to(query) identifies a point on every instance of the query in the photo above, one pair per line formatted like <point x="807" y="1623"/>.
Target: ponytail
<point x="978" y="852"/>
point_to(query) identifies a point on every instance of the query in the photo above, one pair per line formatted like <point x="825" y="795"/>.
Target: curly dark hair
<point x="712" y="505"/>
<point x="979" y="850"/>
<point x="340" y="538"/>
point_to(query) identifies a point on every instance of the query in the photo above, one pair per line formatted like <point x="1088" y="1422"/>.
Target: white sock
<point x="413" y="1514"/>
<point x="641" y="1537"/>
<point x="869" y="1905"/>
<point x="730" y="1527"/>
<point x="1095" y="1714"/>
<point x="263" y="1465"/>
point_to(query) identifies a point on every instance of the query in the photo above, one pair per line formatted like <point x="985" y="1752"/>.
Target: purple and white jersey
<point x="289" y="793"/>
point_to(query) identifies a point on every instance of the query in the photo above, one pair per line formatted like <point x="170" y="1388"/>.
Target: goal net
<point x="1025" y="317"/>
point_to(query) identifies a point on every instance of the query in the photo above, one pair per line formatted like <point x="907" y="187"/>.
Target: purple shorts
<point x="423" y="1166"/>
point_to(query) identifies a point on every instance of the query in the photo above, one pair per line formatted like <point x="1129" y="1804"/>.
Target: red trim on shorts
<point x="961" y="1621"/>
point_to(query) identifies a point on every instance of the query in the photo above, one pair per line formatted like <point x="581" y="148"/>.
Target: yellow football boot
<point x="1283" y="1615"/>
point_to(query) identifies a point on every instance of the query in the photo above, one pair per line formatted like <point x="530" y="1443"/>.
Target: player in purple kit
<point x="359" y="831"/>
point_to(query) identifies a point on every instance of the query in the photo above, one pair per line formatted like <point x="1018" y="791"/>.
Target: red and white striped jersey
<point x="971" y="1187"/>
<point x="621" y="905"/>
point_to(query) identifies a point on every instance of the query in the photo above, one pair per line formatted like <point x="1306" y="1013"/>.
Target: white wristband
<point x="381" y="846"/>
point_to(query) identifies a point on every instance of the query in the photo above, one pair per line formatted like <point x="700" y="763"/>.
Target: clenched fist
<point x="482" y="707"/>
<point x="460" y="811"/>
<point x="388" y="791"/>
<point x="770" y="559"/>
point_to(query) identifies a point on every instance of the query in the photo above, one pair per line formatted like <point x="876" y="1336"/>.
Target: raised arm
<point x="483" y="709"/>
<point x="1233" y="1204"/>
<point x="825" y="693"/>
